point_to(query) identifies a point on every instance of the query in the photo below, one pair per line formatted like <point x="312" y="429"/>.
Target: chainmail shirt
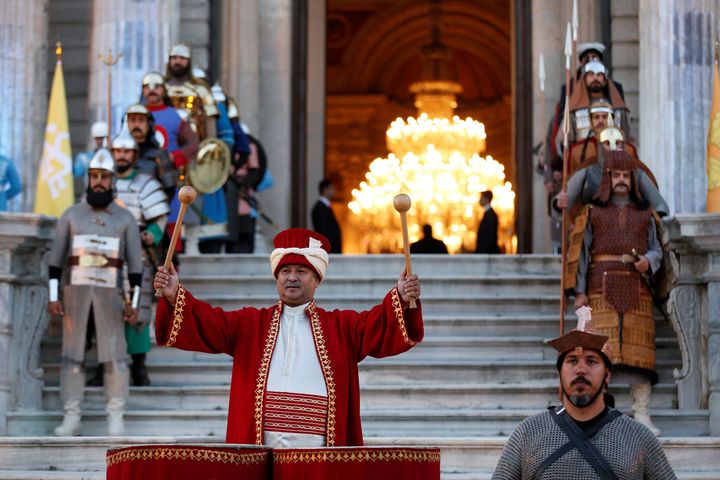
<point x="631" y="450"/>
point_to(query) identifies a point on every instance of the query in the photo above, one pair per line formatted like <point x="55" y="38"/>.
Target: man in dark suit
<point x="428" y="244"/>
<point x="323" y="218"/>
<point x="487" y="238"/>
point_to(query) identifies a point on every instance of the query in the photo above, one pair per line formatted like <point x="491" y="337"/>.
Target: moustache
<point x="136" y="129"/>
<point x="292" y="284"/>
<point x="580" y="380"/>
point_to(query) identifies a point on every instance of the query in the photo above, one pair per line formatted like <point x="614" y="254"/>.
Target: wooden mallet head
<point x="402" y="202"/>
<point x="187" y="195"/>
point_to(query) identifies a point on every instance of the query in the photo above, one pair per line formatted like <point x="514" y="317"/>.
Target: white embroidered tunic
<point x="295" y="408"/>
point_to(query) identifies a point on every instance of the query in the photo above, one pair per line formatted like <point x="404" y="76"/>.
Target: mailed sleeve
<point x="194" y="325"/>
<point x="509" y="467"/>
<point x="58" y="251"/>
<point x="387" y="329"/>
<point x="133" y="246"/>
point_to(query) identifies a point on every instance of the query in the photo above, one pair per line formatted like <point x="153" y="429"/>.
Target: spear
<point x="566" y="170"/>
<point x="575" y="25"/>
<point x="109" y="61"/>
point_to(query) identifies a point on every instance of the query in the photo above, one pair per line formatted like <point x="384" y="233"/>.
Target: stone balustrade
<point x="24" y="242"/>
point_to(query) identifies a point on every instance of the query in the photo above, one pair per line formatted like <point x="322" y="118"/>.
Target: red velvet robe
<point x="342" y="339"/>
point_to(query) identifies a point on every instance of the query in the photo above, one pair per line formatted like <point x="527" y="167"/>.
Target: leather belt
<point x="97" y="261"/>
<point x="624" y="258"/>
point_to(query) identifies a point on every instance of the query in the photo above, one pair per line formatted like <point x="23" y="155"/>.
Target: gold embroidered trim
<point x="327" y="371"/>
<point x="356" y="455"/>
<point x="264" y="370"/>
<point x="400" y="315"/>
<point x="186" y="454"/>
<point x="177" y="315"/>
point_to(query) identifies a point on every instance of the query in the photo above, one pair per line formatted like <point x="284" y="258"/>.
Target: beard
<point x="122" y="167"/>
<point x="178" y="71"/>
<point x="585" y="399"/>
<point x="100" y="198"/>
<point x="595" y="87"/>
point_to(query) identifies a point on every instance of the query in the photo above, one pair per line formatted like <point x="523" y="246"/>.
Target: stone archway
<point x="373" y="55"/>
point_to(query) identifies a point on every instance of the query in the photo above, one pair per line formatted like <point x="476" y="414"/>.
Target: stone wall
<point x="625" y="46"/>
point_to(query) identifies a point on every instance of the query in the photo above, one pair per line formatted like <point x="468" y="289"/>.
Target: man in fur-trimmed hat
<point x="295" y="375"/>
<point x="620" y="245"/>
<point x="585" y="437"/>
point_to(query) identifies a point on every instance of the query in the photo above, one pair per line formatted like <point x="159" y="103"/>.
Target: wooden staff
<point x="566" y="171"/>
<point x="186" y="195"/>
<point x="402" y="203"/>
<point x="109" y="61"/>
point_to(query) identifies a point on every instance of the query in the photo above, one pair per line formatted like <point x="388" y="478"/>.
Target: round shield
<point x="210" y="170"/>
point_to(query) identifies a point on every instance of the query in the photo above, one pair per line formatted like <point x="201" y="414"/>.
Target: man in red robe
<point x="295" y="375"/>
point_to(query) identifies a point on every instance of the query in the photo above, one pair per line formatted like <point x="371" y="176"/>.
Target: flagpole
<point x="109" y="61"/>
<point x="566" y="169"/>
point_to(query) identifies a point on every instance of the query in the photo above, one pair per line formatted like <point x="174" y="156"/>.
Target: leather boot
<point x="116" y="390"/>
<point x="72" y="389"/>
<point x="139" y="370"/>
<point x="640" y="394"/>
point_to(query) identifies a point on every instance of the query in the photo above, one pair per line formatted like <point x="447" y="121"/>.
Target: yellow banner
<point x="55" y="176"/>
<point x="713" y="147"/>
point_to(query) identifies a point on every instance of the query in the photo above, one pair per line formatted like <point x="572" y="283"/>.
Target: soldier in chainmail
<point x="94" y="239"/>
<point x="143" y="195"/>
<point x="584" y="439"/>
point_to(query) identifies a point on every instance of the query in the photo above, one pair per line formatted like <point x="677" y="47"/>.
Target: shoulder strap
<point x="589" y="433"/>
<point x="581" y="441"/>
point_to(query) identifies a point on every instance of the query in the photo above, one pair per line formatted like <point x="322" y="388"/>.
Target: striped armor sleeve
<point x="153" y="201"/>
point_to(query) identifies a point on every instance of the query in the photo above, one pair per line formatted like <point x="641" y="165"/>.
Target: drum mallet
<point x="186" y="195"/>
<point x="402" y="203"/>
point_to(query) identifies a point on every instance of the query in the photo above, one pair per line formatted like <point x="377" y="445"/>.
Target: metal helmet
<point x="102" y="160"/>
<point x="124" y="140"/>
<point x="595" y="67"/>
<point x="180" y="50"/>
<point x="233" y="110"/>
<point x="586" y="47"/>
<point x="612" y="135"/>
<point x="99" y="129"/>
<point x="199" y="73"/>
<point x="218" y="93"/>
<point x="154" y="79"/>
<point x="139" y="109"/>
<point x="601" y="105"/>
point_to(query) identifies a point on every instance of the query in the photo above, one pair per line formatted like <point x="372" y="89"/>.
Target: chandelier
<point x="435" y="158"/>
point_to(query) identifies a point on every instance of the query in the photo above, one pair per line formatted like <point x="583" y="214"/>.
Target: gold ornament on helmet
<point x="209" y="171"/>
<point x="612" y="136"/>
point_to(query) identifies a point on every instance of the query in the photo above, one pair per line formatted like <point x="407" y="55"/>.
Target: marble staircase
<point x="482" y="368"/>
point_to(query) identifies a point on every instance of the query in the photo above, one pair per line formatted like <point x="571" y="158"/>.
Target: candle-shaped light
<point x="568" y="45"/>
<point x="575" y="22"/>
<point x="541" y="72"/>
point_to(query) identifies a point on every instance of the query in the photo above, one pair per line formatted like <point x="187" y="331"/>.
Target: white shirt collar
<point x="488" y="207"/>
<point x="324" y="201"/>
<point x="295" y="311"/>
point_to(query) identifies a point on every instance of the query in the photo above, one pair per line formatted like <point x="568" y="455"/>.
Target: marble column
<point x="143" y="31"/>
<point x="24" y="239"/>
<point x="240" y="62"/>
<point x="676" y="44"/>
<point x="274" y="100"/>
<point x="23" y="89"/>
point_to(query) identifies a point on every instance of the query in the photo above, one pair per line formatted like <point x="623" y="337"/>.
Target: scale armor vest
<point x="143" y="196"/>
<point x="616" y="231"/>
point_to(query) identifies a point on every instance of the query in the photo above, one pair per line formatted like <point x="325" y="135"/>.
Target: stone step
<point x="412" y="397"/>
<point x="696" y="458"/>
<point x="465" y="303"/>
<point x="376" y="423"/>
<point x="371" y="265"/>
<point x="432" y="348"/>
<point x="378" y="286"/>
<point x="388" y="371"/>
